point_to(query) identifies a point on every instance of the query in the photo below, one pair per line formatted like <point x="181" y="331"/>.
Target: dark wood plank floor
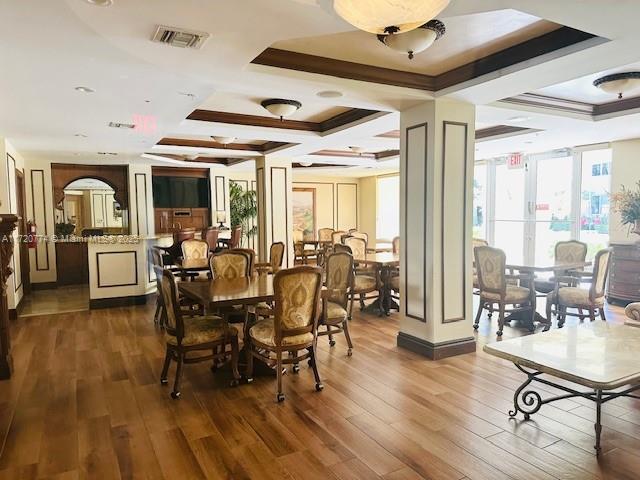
<point x="86" y="402"/>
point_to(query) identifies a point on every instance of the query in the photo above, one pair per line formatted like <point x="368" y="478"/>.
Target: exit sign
<point x="515" y="161"/>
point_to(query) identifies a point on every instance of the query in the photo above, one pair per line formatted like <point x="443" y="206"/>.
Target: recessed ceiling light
<point x="100" y="3"/>
<point x="528" y="142"/>
<point x="519" y="119"/>
<point x="329" y="94"/>
<point x="85" y="89"/>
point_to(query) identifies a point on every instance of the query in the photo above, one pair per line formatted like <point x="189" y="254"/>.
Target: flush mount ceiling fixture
<point x="415" y="41"/>
<point x="100" y="3"/>
<point x="358" y="150"/>
<point x="224" y="140"/>
<point x="388" y="16"/>
<point x="281" y="107"/>
<point x="618" y="83"/>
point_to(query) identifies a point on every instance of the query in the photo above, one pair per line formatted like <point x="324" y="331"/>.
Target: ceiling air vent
<point x="121" y="125"/>
<point x="179" y="38"/>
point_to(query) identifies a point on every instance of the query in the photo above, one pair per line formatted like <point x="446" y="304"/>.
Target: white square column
<point x="274" y="190"/>
<point x="436" y="184"/>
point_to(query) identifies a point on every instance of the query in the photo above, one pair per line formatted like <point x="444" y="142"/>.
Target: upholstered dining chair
<point x="336" y="236"/>
<point x="572" y="296"/>
<point x="194" y="251"/>
<point x="174" y="251"/>
<point x="325" y="235"/>
<point x="358" y="234"/>
<point x="395" y="245"/>
<point x="339" y="281"/>
<point x="276" y="256"/>
<point x="236" y="237"/>
<point x="231" y="264"/>
<point x="293" y="327"/>
<point x="210" y="235"/>
<point x="366" y="280"/>
<point x="494" y="289"/>
<point x="477" y="242"/>
<point x="565" y="252"/>
<point x="187" y="334"/>
<point x="632" y="311"/>
<point x="302" y="254"/>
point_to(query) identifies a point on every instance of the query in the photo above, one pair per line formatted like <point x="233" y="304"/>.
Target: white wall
<point x="625" y="170"/>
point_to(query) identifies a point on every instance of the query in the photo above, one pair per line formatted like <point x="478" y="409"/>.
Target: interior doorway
<point x="22" y="231"/>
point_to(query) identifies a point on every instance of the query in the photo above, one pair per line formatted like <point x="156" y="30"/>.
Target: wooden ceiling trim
<point x="302" y="62"/>
<point x="343" y="153"/>
<point x="503" y="131"/>
<point x="187" y="142"/>
<point x="387" y="154"/>
<point x="318" y="165"/>
<point x="544" y="44"/>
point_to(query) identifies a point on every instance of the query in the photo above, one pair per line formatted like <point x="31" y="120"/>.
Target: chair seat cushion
<point x="364" y="283"/>
<point x="264" y="332"/>
<point x="394" y="283"/>
<point x="203" y="329"/>
<point x="633" y="311"/>
<point x="335" y="311"/>
<point x="569" y="296"/>
<point x="545" y="286"/>
<point x="514" y="294"/>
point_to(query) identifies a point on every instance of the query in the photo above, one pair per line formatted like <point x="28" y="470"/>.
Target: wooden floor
<point x="86" y="402"/>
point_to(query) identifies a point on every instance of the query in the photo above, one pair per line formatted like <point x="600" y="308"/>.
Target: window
<point x="595" y="183"/>
<point x="480" y="201"/>
<point x="388" y="208"/>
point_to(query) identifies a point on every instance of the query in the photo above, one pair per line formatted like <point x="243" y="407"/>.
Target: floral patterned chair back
<point x="490" y="264"/>
<point x="297" y="301"/>
<point x="195" y="250"/>
<point x="339" y="278"/>
<point x="570" y="252"/>
<point x="361" y="235"/>
<point x="600" y="272"/>
<point x="336" y="236"/>
<point x="358" y="246"/>
<point x="325" y="234"/>
<point x="276" y="256"/>
<point x="174" y="324"/>
<point x="230" y="264"/>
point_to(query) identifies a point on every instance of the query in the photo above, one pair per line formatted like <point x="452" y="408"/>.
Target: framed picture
<point x="304" y="211"/>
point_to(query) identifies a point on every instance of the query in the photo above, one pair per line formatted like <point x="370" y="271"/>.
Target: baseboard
<point x="13" y="314"/>
<point x="44" y="286"/>
<point x="98" y="303"/>
<point x="436" y="351"/>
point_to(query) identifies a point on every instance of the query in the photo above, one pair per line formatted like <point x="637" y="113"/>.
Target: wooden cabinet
<point x="72" y="263"/>
<point x="168" y="220"/>
<point x="624" y="275"/>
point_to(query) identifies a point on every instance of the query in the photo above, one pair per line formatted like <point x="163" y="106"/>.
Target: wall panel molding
<point x="415" y="231"/>
<point x="354" y="187"/>
<point x="39" y="209"/>
<point x="279" y="182"/>
<point x="140" y="201"/>
<point x="104" y="282"/>
<point x="454" y="225"/>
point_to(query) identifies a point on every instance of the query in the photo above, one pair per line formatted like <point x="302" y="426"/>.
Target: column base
<point x="436" y="351"/>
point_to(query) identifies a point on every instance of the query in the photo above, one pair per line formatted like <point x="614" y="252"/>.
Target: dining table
<point x="530" y="270"/>
<point x="385" y="263"/>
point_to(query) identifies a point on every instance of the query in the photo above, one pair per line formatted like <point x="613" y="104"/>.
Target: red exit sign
<point x="515" y="160"/>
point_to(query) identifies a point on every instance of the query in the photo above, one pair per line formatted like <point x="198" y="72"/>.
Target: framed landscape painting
<point x="304" y="211"/>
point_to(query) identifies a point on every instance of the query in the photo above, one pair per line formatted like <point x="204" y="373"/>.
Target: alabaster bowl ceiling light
<point x="415" y="41"/>
<point x="281" y="107"/>
<point x="388" y="16"/>
<point x="224" y="140"/>
<point x="358" y="150"/>
<point x="618" y="83"/>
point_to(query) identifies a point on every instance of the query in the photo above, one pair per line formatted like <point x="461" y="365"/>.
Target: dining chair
<point x="293" y="327"/>
<point x="572" y="296"/>
<point x="210" y="235"/>
<point x="494" y="289"/>
<point x="174" y="251"/>
<point x="236" y="237"/>
<point x="361" y="235"/>
<point x="571" y="251"/>
<point x="194" y="250"/>
<point x="367" y="279"/>
<point x="339" y="281"/>
<point x="336" y="237"/>
<point x="231" y="264"/>
<point x="187" y="334"/>
<point x="395" y="245"/>
<point x="325" y="234"/>
<point x="276" y="256"/>
<point x="477" y="242"/>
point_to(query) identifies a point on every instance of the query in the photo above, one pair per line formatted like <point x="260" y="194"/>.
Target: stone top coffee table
<point x="601" y="357"/>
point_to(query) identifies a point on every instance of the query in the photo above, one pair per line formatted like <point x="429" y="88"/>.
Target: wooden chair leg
<point x="602" y="315"/>
<point x="176" y="384"/>
<point x="249" y="359"/>
<point x="501" y="320"/>
<point x="332" y="342"/>
<point x="592" y="314"/>
<point x="296" y="366"/>
<point x="165" y="368"/>
<point x="580" y="314"/>
<point x="549" y="309"/>
<point x="347" y="336"/>
<point x="235" y="353"/>
<point x="478" y="315"/>
<point x="314" y="366"/>
<point x="280" y="395"/>
<point x="561" y="315"/>
<point x="156" y="316"/>
<point x="362" y="305"/>
<point x="351" y="299"/>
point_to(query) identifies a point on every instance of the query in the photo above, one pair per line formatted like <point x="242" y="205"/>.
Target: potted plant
<point x="243" y="207"/>
<point x="626" y="202"/>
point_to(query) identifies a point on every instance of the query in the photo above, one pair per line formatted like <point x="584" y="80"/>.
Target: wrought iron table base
<point x="529" y="402"/>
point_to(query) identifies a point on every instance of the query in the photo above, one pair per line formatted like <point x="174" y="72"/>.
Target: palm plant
<point x="244" y="209"/>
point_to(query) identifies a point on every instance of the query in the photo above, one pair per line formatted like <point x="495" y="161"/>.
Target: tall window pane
<point x="594" y="199"/>
<point x="388" y="215"/>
